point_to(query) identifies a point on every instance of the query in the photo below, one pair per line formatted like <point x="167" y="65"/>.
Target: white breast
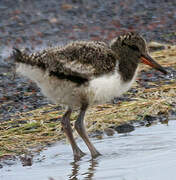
<point x="58" y="91"/>
<point x="99" y="90"/>
<point x="106" y="87"/>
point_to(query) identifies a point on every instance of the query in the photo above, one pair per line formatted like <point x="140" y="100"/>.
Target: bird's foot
<point x="78" y="154"/>
<point x="95" y="154"/>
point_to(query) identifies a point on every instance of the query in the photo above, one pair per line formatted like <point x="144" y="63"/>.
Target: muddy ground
<point x="25" y="113"/>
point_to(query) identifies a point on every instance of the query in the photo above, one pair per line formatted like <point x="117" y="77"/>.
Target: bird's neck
<point x="128" y="60"/>
<point x="127" y="69"/>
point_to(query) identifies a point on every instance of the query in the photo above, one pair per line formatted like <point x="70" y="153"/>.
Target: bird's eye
<point x="133" y="47"/>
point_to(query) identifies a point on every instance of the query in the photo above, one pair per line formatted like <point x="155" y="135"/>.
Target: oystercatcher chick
<point x="83" y="73"/>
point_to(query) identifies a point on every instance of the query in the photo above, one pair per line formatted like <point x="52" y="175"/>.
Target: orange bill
<point x="146" y="59"/>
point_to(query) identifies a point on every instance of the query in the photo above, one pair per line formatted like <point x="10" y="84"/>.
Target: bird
<point x="81" y="74"/>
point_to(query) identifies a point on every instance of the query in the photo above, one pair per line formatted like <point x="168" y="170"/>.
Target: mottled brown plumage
<point x="80" y="58"/>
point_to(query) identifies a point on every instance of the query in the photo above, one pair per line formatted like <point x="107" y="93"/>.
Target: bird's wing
<point x="79" y="59"/>
<point x="82" y="59"/>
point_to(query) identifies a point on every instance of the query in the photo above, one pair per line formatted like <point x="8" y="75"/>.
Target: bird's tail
<point x="20" y="56"/>
<point x="17" y="54"/>
<point x="33" y="59"/>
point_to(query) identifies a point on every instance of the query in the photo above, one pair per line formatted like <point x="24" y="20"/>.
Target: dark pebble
<point x="173" y="113"/>
<point x="124" y="128"/>
<point x="149" y="118"/>
<point x="26" y="160"/>
<point x="109" y="131"/>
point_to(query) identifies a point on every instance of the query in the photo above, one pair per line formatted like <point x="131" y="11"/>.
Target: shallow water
<point x="145" y="154"/>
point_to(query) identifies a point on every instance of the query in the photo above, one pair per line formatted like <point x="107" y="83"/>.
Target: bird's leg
<point x="79" y="126"/>
<point x="68" y="131"/>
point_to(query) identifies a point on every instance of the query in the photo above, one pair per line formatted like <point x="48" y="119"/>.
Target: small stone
<point x="124" y="128"/>
<point x="67" y="6"/>
<point x="109" y="131"/>
<point x="26" y="160"/>
<point x="53" y="20"/>
<point x="150" y="119"/>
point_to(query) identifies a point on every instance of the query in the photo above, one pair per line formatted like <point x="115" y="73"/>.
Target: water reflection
<point x="75" y="170"/>
<point x="88" y="174"/>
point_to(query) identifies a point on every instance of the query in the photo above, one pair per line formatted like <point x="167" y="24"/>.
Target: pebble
<point x="124" y="128"/>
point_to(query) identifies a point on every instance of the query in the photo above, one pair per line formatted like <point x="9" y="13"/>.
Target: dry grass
<point x="40" y="127"/>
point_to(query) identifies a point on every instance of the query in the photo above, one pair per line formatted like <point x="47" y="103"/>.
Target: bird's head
<point x="132" y="46"/>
